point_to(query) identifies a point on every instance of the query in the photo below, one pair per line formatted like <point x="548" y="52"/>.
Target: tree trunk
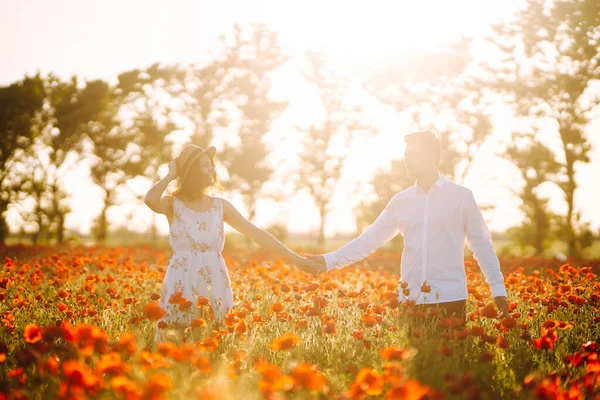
<point x="60" y="228"/>
<point x="3" y="225"/>
<point x="39" y="218"/>
<point x="102" y="229"/>
<point x="4" y="202"/>
<point x="102" y="225"/>
<point x="251" y="210"/>
<point x="571" y="236"/>
<point x="56" y="213"/>
<point x="322" y="214"/>
<point x="539" y="231"/>
<point x="35" y="236"/>
<point x="153" y="230"/>
<point x="569" y="189"/>
<point x="251" y="200"/>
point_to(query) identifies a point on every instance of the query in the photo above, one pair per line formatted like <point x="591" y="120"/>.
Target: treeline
<point x="542" y="63"/>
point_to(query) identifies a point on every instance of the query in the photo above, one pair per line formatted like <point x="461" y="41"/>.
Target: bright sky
<point x="101" y="39"/>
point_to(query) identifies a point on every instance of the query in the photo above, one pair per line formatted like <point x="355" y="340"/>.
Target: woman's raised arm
<point x="154" y="198"/>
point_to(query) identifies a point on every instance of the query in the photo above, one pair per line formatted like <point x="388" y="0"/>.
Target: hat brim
<point x="211" y="151"/>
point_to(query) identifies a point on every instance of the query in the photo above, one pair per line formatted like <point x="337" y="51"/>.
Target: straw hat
<point x="187" y="156"/>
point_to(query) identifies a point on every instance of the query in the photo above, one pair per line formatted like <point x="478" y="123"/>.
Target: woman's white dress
<point x="197" y="268"/>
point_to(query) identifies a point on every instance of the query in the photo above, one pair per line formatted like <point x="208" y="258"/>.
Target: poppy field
<point x="79" y="323"/>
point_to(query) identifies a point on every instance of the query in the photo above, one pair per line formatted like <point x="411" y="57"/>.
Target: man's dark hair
<point x="426" y="140"/>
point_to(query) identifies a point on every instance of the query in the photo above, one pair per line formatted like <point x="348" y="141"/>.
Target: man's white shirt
<point x="434" y="225"/>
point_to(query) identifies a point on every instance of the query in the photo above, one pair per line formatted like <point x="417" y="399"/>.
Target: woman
<point x="197" y="268"/>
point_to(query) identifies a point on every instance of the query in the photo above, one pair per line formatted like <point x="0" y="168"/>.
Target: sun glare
<point x="379" y="31"/>
<point x="353" y="35"/>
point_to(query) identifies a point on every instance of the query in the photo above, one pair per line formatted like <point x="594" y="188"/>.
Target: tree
<point x="550" y="53"/>
<point x="62" y="138"/>
<point x="139" y="92"/>
<point x="32" y="186"/>
<point x="154" y="149"/>
<point x="537" y="166"/>
<point x="57" y="147"/>
<point x="20" y="106"/>
<point x="200" y="90"/>
<point x="321" y="165"/>
<point x="253" y="56"/>
<point x="437" y="90"/>
<point x="116" y="153"/>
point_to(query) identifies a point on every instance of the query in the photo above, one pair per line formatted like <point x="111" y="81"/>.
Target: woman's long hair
<point x="196" y="185"/>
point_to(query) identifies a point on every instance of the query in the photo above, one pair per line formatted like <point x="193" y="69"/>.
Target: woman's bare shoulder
<point x="217" y="198"/>
<point x="169" y="198"/>
<point x="224" y="202"/>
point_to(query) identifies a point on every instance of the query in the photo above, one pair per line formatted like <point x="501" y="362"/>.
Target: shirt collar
<point x="439" y="182"/>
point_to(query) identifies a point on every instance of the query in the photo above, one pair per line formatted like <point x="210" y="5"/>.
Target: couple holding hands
<point x="435" y="216"/>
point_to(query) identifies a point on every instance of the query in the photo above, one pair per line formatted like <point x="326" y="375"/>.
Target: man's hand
<point x="306" y="265"/>
<point x="502" y="305"/>
<point x="318" y="265"/>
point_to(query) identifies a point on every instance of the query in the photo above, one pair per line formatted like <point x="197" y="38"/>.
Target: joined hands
<point x="313" y="264"/>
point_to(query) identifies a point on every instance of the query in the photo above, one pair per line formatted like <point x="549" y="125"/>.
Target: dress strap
<point x="221" y="210"/>
<point x="175" y="204"/>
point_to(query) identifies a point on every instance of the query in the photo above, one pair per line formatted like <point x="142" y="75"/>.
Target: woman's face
<point x="206" y="169"/>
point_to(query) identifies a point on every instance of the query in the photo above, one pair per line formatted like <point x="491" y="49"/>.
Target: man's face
<point x="417" y="160"/>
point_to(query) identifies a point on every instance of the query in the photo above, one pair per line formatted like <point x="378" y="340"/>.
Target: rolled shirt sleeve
<point x="377" y="234"/>
<point x="479" y="241"/>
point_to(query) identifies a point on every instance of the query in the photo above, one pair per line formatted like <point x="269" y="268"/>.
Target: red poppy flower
<point x="154" y="311"/>
<point x="509" y="323"/>
<point x="32" y="333"/>
<point x="358" y="334"/>
<point x="394" y="353"/>
<point x="489" y="311"/>
<point x="307" y="376"/>
<point x="284" y="342"/>
<point x="503" y="343"/>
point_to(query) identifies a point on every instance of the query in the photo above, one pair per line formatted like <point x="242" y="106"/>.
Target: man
<point x="434" y="216"/>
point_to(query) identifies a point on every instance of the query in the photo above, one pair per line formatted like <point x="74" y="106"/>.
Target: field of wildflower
<point x="79" y="323"/>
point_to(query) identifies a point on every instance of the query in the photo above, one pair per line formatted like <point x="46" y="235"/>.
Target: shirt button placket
<point x="425" y="223"/>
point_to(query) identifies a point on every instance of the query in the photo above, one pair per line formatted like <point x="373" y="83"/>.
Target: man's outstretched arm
<point x="479" y="241"/>
<point x="377" y="234"/>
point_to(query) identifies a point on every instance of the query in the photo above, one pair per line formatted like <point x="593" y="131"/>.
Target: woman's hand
<point x="172" y="174"/>
<point x="299" y="261"/>
<point x="308" y="265"/>
<point x="154" y="198"/>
